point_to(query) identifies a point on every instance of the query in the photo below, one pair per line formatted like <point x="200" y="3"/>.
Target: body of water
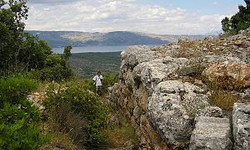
<point x="94" y="49"/>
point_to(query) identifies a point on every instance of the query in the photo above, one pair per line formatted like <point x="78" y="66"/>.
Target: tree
<point x="19" y="51"/>
<point x="225" y="24"/>
<point x="239" y="21"/>
<point x="247" y="2"/>
<point x="67" y="52"/>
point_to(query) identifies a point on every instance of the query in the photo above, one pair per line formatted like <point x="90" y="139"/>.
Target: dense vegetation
<point x="74" y="116"/>
<point x="66" y="101"/>
<point x="239" y="21"/>
<point x="19" y="120"/>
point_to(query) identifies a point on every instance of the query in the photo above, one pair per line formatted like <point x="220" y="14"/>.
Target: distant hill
<point x="117" y="38"/>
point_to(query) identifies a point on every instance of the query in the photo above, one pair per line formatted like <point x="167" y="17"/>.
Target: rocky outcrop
<point x="160" y="107"/>
<point x="172" y="108"/>
<point x="211" y="133"/>
<point x="163" y="94"/>
<point x="241" y="126"/>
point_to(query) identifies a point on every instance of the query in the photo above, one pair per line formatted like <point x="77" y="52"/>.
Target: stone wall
<point x="171" y="111"/>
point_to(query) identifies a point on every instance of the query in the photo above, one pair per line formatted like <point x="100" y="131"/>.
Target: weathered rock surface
<point x="163" y="92"/>
<point x="172" y="109"/>
<point x="246" y="94"/>
<point x="36" y="99"/>
<point x="241" y="126"/>
<point x="229" y="75"/>
<point x="155" y="71"/>
<point x="211" y="133"/>
<point x="210" y="111"/>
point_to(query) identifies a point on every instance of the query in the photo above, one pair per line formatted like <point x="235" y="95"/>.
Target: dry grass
<point x="65" y="128"/>
<point x="188" y="49"/>
<point x="59" y="141"/>
<point x="224" y="99"/>
<point x="220" y="95"/>
<point x="120" y="133"/>
<point x="227" y="35"/>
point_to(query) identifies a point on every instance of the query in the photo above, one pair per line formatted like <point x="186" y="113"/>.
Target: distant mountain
<point x="117" y="38"/>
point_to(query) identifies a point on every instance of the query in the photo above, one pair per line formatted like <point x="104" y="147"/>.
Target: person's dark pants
<point x="98" y="90"/>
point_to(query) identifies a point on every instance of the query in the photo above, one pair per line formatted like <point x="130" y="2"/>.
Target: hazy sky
<point x="151" y="16"/>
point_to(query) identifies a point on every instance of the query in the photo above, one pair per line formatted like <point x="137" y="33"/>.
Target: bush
<point x="82" y="103"/>
<point x="56" y="68"/>
<point x="19" y="120"/>
<point x="108" y="81"/>
<point x="14" y="90"/>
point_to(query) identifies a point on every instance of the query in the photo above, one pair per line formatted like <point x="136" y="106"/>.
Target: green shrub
<point x="56" y="68"/>
<point x="14" y="90"/>
<point x="81" y="102"/>
<point x="19" y="120"/>
<point x="109" y="80"/>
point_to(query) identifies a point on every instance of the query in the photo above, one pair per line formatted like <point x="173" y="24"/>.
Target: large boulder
<point x="134" y="55"/>
<point x="172" y="109"/>
<point x="211" y="133"/>
<point x="241" y="126"/>
<point x="153" y="72"/>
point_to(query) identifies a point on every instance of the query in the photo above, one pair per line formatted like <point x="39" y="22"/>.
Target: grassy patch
<point x="59" y="141"/>
<point x="223" y="99"/>
<point x="121" y="133"/>
<point x="220" y="96"/>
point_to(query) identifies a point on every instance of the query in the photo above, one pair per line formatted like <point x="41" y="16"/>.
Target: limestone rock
<point x="159" y="90"/>
<point x="241" y="126"/>
<point x="211" y="133"/>
<point x="172" y="109"/>
<point x="229" y="75"/>
<point x="153" y="72"/>
<point x="135" y="55"/>
<point x="246" y="94"/>
<point x="210" y="111"/>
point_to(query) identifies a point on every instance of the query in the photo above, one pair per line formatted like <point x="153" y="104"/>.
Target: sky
<point x="149" y="16"/>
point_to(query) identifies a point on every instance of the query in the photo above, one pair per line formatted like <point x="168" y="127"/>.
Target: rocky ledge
<point x="165" y="92"/>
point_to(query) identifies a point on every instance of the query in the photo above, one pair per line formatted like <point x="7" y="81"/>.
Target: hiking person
<point x="98" y="82"/>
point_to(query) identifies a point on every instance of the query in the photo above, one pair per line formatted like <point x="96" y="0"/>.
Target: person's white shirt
<point x="98" y="80"/>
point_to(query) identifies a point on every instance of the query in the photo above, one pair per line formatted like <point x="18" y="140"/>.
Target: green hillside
<point x="87" y="64"/>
